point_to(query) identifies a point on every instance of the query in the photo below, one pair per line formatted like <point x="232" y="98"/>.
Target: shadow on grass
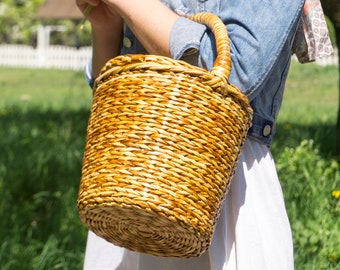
<point x="40" y="165"/>
<point x="291" y="134"/>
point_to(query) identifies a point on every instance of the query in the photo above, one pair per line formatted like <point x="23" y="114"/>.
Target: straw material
<point x="163" y="142"/>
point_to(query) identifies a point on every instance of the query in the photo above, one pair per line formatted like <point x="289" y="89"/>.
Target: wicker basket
<point x="163" y="142"/>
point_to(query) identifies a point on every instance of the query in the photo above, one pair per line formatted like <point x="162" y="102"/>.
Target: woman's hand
<point x="102" y="15"/>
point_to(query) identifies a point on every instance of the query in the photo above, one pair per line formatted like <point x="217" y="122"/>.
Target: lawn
<point x="43" y="120"/>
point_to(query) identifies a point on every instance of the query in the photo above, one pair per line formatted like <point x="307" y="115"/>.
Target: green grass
<point x="309" y="108"/>
<point x="43" y="89"/>
<point x="43" y="119"/>
<point x="304" y="149"/>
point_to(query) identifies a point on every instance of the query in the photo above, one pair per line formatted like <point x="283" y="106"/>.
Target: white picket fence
<point x="58" y="57"/>
<point x="61" y="57"/>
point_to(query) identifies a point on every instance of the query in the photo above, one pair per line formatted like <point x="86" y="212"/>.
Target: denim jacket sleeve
<point x="258" y="31"/>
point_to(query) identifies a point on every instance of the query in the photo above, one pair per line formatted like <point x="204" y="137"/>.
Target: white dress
<point x="253" y="232"/>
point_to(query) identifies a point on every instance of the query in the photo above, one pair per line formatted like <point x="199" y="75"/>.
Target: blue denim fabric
<point x="261" y="34"/>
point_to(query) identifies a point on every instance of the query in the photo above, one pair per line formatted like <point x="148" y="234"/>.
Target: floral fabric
<point x="312" y="37"/>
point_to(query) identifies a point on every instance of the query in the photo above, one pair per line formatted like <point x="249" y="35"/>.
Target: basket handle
<point x="222" y="65"/>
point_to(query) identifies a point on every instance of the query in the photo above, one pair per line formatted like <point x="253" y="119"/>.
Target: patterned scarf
<point x="312" y="37"/>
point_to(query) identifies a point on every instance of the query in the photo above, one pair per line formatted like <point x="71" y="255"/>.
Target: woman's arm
<point x="105" y="45"/>
<point x="149" y="20"/>
<point x="107" y="28"/>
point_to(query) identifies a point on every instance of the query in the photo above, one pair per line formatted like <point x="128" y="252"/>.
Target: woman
<point x="253" y="231"/>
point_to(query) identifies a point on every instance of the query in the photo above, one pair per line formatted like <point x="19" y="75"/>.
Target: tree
<point x="18" y="25"/>
<point x="332" y="11"/>
<point x="16" y="20"/>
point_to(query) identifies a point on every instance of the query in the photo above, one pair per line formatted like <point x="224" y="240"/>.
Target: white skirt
<point x="253" y="231"/>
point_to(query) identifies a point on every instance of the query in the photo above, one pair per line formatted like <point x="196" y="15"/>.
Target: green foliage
<point x="17" y="24"/>
<point x="304" y="148"/>
<point x="331" y="31"/>
<point x="309" y="182"/>
<point x="41" y="145"/>
<point x="72" y="35"/>
<point x="41" y="153"/>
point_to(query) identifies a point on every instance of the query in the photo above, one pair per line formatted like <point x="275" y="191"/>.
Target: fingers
<point x="82" y="4"/>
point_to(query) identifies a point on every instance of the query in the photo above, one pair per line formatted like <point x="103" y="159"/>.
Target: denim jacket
<point x="261" y="34"/>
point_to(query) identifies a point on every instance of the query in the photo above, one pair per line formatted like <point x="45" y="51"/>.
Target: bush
<point x="40" y="164"/>
<point x="311" y="185"/>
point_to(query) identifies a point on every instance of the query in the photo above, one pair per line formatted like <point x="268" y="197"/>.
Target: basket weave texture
<point x="163" y="142"/>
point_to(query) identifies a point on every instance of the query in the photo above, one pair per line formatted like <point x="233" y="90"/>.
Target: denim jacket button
<point x="127" y="42"/>
<point x="267" y="130"/>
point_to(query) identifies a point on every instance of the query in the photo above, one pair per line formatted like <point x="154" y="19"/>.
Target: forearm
<point x="105" y="45"/>
<point x="150" y="21"/>
<point x="107" y="28"/>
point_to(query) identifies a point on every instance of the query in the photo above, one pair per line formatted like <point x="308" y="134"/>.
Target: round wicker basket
<point x="163" y="142"/>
